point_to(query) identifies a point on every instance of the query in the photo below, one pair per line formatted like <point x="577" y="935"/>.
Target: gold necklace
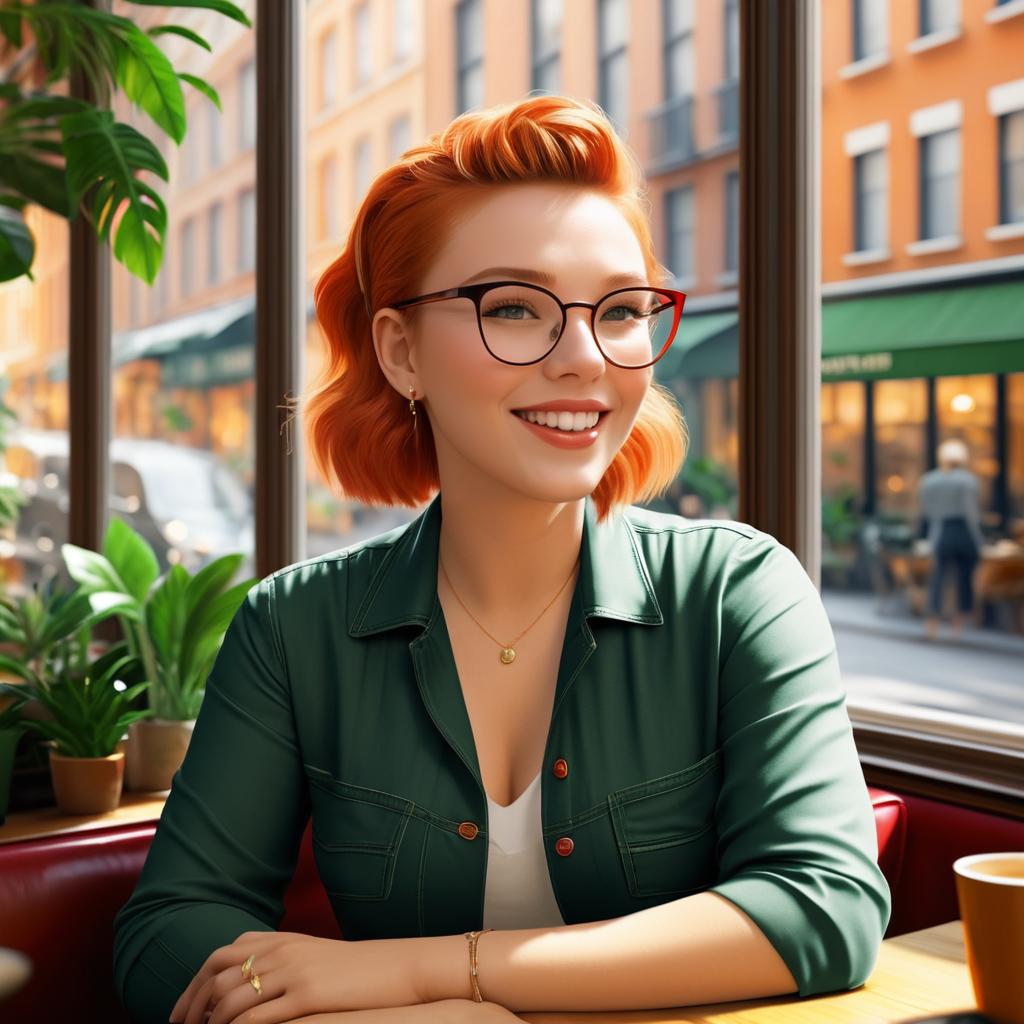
<point x="508" y="651"/>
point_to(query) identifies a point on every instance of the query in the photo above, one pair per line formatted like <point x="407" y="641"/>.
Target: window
<point x="190" y="147"/>
<point x="939" y="16"/>
<point x="402" y="29"/>
<point x="732" y="221"/>
<point x="870" y="29"/>
<point x="361" y="168"/>
<point x="329" y="221"/>
<point x="469" y="55"/>
<point x="613" y="67"/>
<point x="681" y="233"/>
<point x="940" y="184"/>
<point x="678" y="56"/>
<point x="871" y="198"/>
<point x="399" y="136"/>
<point x="247" y="105"/>
<point x="328" y="68"/>
<point x="546" y="45"/>
<point x="187" y="257"/>
<point x="362" y="55"/>
<point x="214" y="242"/>
<point x="731" y="71"/>
<point x="213" y="130"/>
<point x="247" y="229"/>
<point x="1011" y="168"/>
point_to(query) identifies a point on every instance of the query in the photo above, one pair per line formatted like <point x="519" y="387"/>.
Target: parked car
<point x="183" y="501"/>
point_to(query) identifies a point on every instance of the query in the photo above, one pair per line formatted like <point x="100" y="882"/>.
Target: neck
<point x="506" y="556"/>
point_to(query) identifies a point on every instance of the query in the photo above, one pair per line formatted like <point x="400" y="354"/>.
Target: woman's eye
<point x="507" y="305"/>
<point x="628" y="309"/>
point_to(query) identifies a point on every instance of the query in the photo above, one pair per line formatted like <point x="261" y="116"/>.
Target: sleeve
<point x="798" y="846"/>
<point x="972" y="512"/>
<point x="227" y="841"/>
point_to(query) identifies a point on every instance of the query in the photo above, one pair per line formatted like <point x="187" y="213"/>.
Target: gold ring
<point x="254" y="980"/>
<point x="247" y="965"/>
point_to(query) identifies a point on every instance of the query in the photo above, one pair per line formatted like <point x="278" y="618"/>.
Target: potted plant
<point x="89" y="716"/>
<point x="11" y="730"/>
<point x="79" y="709"/>
<point x="174" y="625"/>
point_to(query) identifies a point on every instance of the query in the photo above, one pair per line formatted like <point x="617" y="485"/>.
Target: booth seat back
<point x="59" y="896"/>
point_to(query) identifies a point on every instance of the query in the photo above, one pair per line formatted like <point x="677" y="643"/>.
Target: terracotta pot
<point x="87" y="785"/>
<point x="156" y="748"/>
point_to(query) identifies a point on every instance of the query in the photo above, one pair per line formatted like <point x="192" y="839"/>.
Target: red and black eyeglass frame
<point x="476" y="291"/>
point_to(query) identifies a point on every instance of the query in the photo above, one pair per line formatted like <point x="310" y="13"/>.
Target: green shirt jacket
<point x="699" y="740"/>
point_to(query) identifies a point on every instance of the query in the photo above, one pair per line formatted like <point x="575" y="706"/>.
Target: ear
<point x="395" y="349"/>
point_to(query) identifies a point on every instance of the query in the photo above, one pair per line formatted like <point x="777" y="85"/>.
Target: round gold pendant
<point x="508" y="655"/>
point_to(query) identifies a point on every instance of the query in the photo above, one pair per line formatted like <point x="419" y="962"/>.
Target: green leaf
<point x="132" y="558"/>
<point x="149" y="81"/>
<point x="10" y="26"/>
<point x="178" y="30"/>
<point x="17" y="246"/>
<point x="103" y="156"/>
<point x="229" y="10"/>
<point x="204" y="87"/>
<point x="40" y="181"/>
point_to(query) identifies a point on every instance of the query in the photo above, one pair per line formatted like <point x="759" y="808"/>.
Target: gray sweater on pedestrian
<point x="943" y="493"/>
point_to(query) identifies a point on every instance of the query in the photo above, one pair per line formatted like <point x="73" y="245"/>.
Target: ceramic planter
<point x="87" y="785"/>
<point x="156" y="748"/>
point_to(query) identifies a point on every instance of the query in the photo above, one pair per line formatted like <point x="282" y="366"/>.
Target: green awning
<point x="700" y="338"/>
<point x="939" y="331"/>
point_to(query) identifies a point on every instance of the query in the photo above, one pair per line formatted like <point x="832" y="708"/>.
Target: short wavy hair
<point x="357" y="426"/>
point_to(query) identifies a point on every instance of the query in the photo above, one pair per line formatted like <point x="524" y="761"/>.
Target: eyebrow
<point x="542" y="277"/>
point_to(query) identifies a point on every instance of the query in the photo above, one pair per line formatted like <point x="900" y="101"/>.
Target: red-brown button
<point x="560" y="768"/>
<point x="564" y="846"/>
<point x="468" y="830"/>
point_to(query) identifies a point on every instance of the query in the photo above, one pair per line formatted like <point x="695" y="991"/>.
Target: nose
<point x="577" y="350"/>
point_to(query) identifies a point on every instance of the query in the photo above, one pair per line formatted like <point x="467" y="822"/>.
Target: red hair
<point x="357" y="425"/>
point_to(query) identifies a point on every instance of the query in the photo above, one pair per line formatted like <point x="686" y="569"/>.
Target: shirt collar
<point x="613" y="581"/>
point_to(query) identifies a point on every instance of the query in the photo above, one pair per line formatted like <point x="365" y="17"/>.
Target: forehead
<point x="572" y="232"/>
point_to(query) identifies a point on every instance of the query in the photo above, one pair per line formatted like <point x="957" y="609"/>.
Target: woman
<point x="599" y="751"/>
<point x="949" y="503"/>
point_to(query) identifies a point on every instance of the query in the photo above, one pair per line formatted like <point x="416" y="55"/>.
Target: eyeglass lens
<point x="521" y="324"/>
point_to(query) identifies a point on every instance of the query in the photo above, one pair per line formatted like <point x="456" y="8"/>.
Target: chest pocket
<point x="665" y="830"/>
<point x="357" y="833"/>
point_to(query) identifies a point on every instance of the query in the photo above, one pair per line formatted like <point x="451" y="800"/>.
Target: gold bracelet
<point x="473" y="937"/>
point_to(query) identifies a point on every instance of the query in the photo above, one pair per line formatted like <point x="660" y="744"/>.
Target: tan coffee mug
<point x="990" y="889"/>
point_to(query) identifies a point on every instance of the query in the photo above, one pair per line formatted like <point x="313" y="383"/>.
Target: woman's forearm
<point x="697" y="949"/>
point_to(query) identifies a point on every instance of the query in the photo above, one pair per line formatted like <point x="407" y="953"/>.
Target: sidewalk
<point x="859" y="612"/>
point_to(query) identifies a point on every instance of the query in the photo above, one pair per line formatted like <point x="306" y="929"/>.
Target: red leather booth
<point x="59" y="895"/>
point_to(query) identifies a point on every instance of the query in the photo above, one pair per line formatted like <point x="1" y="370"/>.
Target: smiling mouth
<point x="560" y="430"/>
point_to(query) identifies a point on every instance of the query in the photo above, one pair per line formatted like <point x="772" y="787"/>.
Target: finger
<point x="222" y="957"/>
<point x="264" y="1007"/>
<point x="200" y="1003"/>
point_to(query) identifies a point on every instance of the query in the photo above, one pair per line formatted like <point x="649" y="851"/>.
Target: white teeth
<point x="568" y="421"/>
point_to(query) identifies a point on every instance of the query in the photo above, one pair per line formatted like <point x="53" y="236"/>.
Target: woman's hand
<point x="299" y="975"/>
<point x="444" y="1011"/>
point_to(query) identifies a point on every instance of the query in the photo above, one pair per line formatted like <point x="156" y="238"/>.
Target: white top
<point x="517" y="890"/>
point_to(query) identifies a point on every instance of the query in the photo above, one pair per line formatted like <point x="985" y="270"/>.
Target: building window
<point x="681" y="233"/>
<point x="469" y="55"/>
<point x="247" y="229"/>
<point x="362" y="57"/>
<point x="213" y="130"/>
<point x="402" y="28"/>
<point x="732" y="41"/>
<point x="870" y="173"/>
<point x="900" y="420"/>
<point x="1011" y="168"/>
<point x="328" y="68"/>
<point x="191" y="152"/>
<point x="247" y="106"/>
<point x="187" y="257"/>
<point x="732" y="221"/>
<point x="613" y="68"/>
<point x="546" y="45"/>
<point x="870" y="29"/>
<point x="213" y="243"/>
<point x="361" y="168"/>
<point x="399" y="136"/>
<point x="678" y="48"/>
<point x="940" y="184"/>
<point x="939" y="16"/>
<point x="329" y="222"/>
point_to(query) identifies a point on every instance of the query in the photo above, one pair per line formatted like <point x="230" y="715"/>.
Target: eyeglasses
<point x="521" y="323"/>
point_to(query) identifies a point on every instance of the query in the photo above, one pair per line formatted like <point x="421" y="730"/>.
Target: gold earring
<point x="412" y="403"/>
